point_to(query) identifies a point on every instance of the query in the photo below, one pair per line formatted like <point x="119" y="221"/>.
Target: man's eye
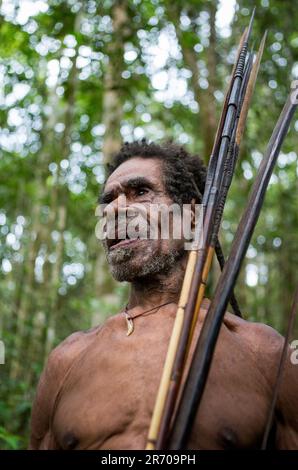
<point x="141" y="191"/>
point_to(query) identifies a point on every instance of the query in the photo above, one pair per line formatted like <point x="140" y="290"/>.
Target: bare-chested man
<point x="99" y="387"/>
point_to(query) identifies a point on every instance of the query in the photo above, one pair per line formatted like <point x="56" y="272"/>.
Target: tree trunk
<point x="26" y="295"/>
<point x="113" y="82"/>
<point x="104" y="284"/>
<point x="59" y="205"/>
<point x="207" y="121"/>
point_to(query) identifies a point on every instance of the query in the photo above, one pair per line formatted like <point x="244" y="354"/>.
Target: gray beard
<point x="122" y="267"/>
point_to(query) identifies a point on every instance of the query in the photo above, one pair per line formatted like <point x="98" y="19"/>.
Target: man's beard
<point x="126" y="265"/>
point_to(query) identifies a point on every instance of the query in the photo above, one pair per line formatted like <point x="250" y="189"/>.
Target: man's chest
<point x="107" y="400"/>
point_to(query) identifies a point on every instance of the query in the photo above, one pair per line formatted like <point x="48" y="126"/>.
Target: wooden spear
<point x="191" y="270"/>
<point x="203" y="354"/>
<point x="187" y="331"/>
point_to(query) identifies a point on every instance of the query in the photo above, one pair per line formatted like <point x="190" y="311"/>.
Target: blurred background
<point x="76" y="78"/>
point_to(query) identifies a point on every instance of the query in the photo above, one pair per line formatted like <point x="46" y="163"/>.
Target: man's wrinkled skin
<point x="99" y="387"/>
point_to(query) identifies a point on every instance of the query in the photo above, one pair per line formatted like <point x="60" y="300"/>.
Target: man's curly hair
<point x="184" y="174"/>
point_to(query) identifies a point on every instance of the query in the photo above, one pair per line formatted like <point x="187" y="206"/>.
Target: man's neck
<point x="160" y="289"/>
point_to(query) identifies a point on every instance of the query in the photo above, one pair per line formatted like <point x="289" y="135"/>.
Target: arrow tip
<point x="262" y="46"/>
<point x="249" y="30"/>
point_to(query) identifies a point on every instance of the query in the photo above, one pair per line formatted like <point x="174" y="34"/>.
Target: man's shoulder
<point x="75" y="344"/>
<point x="63" y="355"/>
<point x="261" y="338"/>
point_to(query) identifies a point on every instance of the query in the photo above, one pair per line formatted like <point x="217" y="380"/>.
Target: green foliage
<point x="8" y="441"/>
<point x="54" y="64"/>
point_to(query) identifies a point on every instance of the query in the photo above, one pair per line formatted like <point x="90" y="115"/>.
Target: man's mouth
<point x="116" y="243"/>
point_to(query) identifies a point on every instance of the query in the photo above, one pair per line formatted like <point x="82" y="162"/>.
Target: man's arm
<point x="43" y="404"/>
<point x="287" y="407"/>
<point x="267" y="344"/>
<point x="51" y="380"/>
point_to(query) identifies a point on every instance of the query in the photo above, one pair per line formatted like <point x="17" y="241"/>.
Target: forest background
<point x="77" y="78"/>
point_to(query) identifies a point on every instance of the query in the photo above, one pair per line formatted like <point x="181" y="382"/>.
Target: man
<point x="98" y="388"/>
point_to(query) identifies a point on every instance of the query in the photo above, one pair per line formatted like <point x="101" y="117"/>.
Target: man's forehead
<point x="136" y="167"/>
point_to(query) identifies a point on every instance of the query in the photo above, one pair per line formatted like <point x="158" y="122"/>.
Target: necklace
<point x="129" y="318"/>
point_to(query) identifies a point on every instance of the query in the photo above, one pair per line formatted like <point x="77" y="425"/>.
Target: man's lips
<point x="126" y="242"/>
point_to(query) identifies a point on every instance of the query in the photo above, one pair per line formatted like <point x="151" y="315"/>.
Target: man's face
<point x="136" y="183"/>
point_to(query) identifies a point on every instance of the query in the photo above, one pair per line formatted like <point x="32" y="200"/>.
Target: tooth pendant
<point x="129" y="323"/>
